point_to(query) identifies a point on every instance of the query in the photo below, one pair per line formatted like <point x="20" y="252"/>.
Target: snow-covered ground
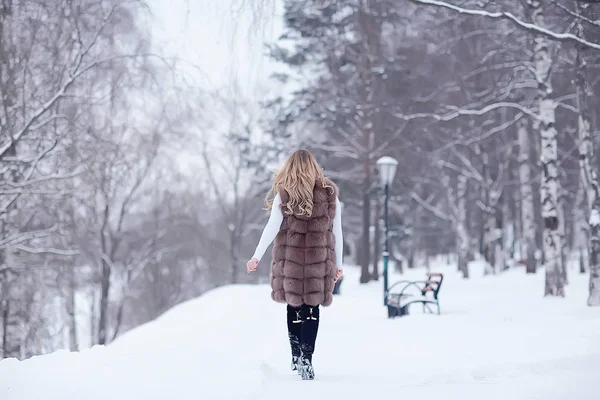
<point x="497" y="338"/>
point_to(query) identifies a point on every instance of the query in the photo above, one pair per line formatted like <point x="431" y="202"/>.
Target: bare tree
<point x="236" y="175"/>
<point x="47" y="54"/>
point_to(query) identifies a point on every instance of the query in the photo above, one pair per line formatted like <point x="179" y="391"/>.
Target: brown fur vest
<point x="304" y="265"/>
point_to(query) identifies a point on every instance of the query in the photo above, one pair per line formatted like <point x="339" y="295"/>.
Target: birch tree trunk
<point x="589" y="178"/>
<point x="526" y="191"/>
<point x="550" y="185"/>
<point x="580" y="227"/>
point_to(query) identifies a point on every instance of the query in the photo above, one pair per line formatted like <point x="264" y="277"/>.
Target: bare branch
<point x="73" y="75"/>
<point x="458" y="169"/>
<point x="494" y="130"/>
<point x="468" y="164"/>
<point x="42" y="179"/>
<point x="46" y="250"/>
<point x="24" y="236"/>
<point x="337" y="149"/>
<point x="438" y="213"/>
<point x="575" y="14"/>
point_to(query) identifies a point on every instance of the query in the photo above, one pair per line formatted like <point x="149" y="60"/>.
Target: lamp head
<point x="387" y="170"/>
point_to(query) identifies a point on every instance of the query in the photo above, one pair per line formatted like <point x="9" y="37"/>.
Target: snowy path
<point x="497" y="339"/>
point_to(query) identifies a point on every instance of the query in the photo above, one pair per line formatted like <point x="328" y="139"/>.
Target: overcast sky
<point x="224" y="38"/>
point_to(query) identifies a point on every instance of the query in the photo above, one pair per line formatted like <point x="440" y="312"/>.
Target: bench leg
<point x="394" y="312"/>
<point x="404" y="310"/>
<point x="391" y="312"/>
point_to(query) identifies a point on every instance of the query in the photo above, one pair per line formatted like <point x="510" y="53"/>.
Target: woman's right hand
<point x="251" y="265"/>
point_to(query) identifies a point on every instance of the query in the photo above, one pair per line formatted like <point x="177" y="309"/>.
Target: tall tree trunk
<point x="594" y="285"/>
<point x="580" y="226"/>
<point x="505" y="244"/>
<point x="415" y="238"/>
<point x="4" y="315"/>
<point x="518" y="225"/>
<point x="489" y="219"/>
<point x="490" y="243"/>
<point x="13" y="319"/>
<point x="464" y="240"/>
<point x="526" y="190"/>
<point x="11" y="329"/>
<point x="71" y="310"/>
<point x="234" y="242"/>
<point x="353" y="246"/>
<point x="589" y="178"/>
<point x="550" y="185"/>
<point x="10" y="299"/>
<point x="104" y="293"/>
<point x="93" y="318"/>
<point x="11" y="289"/>
<point x="377" y="240"/>
<point x="366" y="222"/>
<point x="369" y="30"/>
<point x="563" y="236"/>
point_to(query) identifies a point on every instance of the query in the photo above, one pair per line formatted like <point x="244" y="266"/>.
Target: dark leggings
<point x="303" y="325"/>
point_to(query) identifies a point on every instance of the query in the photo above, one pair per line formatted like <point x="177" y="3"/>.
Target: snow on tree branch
<point x="563" y="37"/>
<point x="46" y="250"/>
<point x="460" y="112"/>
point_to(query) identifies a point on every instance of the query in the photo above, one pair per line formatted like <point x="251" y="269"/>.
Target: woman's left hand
<point x="338" y="275"/>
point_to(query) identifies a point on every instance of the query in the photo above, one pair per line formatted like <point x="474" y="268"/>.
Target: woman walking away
<point x="306" y="224"/>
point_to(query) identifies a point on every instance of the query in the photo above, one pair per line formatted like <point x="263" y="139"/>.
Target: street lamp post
<point x="387" y="170"/>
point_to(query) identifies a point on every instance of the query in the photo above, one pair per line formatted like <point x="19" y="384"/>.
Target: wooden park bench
<point x="426" y="293"/>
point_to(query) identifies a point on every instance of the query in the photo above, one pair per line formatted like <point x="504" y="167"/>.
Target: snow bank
<point x="497" y="338"/>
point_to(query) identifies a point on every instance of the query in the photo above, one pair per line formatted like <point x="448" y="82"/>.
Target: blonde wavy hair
<point x="298" y="177"/>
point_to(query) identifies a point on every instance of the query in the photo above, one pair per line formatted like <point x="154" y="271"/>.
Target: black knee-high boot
<point x="294" y="324"/>
<point x="310" y="327"/>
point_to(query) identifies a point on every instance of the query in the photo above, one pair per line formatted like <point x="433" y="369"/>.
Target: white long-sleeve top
<point x="274" y="224"/>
